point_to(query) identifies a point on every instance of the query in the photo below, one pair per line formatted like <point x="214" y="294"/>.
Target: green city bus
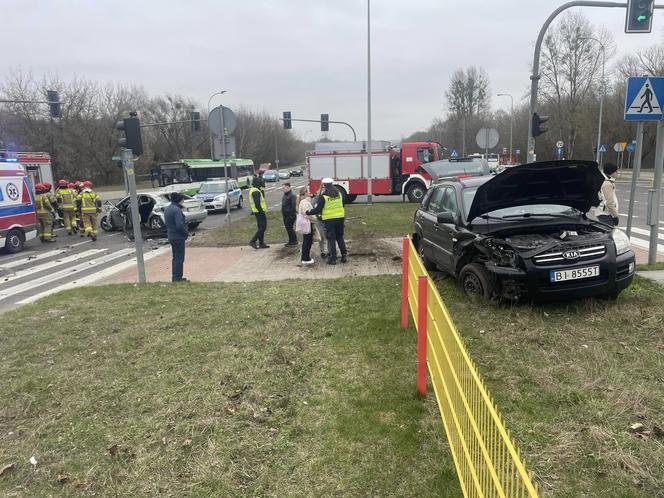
<point x="186" y="175"/>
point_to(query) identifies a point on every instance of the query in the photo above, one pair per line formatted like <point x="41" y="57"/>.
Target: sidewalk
<point x="244" y="264"/>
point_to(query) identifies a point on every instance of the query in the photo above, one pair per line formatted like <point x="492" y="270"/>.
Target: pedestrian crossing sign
<point x="454" y="153"/>
<point x="642" y="99"/>
<point x="602" y="148"/>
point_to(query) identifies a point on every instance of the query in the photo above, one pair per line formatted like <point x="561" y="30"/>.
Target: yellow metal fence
<point x="487" y="460"/>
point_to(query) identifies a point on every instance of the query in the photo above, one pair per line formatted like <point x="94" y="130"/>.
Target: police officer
<point x="66" y="199"/>
<point x="258" y="206"/>
<point x="331" y="208"/>
<point x="89" y="203"/>
<point x="45" y="213"/>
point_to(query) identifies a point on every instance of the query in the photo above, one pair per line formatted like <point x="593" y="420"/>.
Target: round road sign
<point x="487" y="138"/>
<point x="560" y="144"/>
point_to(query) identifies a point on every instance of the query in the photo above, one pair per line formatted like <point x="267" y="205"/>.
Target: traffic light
<point x="131" y="127"/>
<point x="195" y="121"/>
<point x="287" y="120"/>
<point x="324" y="122"/>
<point x="538" y="121"/>
<point x="54" y="105"/>
<point x="639" y="16"/>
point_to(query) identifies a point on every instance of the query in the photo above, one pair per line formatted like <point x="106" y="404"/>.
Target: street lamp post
<point x="601" y="95"/>
<point x="369" y="148"/>
<point x="511" y="119"/>
<point x="208" y="115"/>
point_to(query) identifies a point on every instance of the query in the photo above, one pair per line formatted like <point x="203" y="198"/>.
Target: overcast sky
<point x="305" y="56"/>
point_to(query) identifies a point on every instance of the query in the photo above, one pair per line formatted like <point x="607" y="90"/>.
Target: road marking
<point x="625" y="215"/>
<point x="641" y="231"/>
<point x="29" y="259"/>
<point x="51" y="264"/>
<point x="95" y="277"/>
<point x="80" y="243"/>
<point x="645" y="244"/>
<point x="17" y="289"/>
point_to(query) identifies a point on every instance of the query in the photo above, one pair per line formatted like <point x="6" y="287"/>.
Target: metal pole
<point x="369" y="147"/>
<point x="655" y="195"/>
<point x="636" y="170"/>
<point x="209" y="130"/>
<point x="511" y="119"/>
<point x="223" y="156"/>
<point x="534" y="78"/>
<point x="128" y="166"/>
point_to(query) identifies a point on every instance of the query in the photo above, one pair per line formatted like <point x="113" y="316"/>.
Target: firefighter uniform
<point x="45" y="214"/>
<point x="66" y="198"/>
<point x="89" y="204"/>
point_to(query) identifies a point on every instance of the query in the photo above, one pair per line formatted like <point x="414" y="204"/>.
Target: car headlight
<point x="220" y="198"/>
<point x="621" y="241"/>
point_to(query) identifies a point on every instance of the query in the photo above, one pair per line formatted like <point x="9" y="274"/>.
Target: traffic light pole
<point x="331" y="122"/>
<point x="128" y="166"/>
<point x="534" y="78"/>
<point x="223" y="156"/>
<point x="654" y="196"/>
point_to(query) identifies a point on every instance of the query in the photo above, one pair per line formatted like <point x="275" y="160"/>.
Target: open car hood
<point x="567" y="183"/>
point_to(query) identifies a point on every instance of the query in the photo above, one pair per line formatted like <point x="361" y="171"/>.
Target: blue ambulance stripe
<point x="14" y="210"/>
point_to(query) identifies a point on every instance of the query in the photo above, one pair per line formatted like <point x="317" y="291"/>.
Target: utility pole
<point x="369" y="147"/>
<point x="128" y="167"/>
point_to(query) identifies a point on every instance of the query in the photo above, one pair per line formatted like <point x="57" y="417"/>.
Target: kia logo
<point x="571" y="255"/>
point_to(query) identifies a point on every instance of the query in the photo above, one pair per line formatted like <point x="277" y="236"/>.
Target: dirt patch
<point x="374" y="250"/>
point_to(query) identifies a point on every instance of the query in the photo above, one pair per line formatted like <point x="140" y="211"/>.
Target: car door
<point x="235" y="193"/>
<point x="116" y="214"/>
<point x="427" y="219"/>
<point x="445" y="233"/>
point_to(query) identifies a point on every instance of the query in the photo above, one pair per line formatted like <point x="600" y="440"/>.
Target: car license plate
<point x="575" y="274"/>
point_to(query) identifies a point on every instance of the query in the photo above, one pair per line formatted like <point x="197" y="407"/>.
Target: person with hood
<point x="331" y="208"/>
<point x="177" y="233"/>
<point x="607" y="211"/>
<point x="258" y="206"/>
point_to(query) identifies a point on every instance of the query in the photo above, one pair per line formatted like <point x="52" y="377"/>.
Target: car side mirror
<point x="447" y="217"/>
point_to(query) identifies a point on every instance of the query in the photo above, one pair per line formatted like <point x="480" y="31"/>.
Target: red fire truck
<point x="393" y="170"/>
<point x="36" y="164"/>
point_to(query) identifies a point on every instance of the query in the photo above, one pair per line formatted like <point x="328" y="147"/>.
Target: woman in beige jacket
<point x="607" y="211"/>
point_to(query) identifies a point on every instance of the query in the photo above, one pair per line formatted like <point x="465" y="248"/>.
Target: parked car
<point x="524" y="234"/>
<point x="271" y="175"/>
<point x="284" y="175"/>
<point x="213" y="195"/>
<point x="462" y="167"/>
<point x="151" y="211"/>
<point x="296" y="172"/>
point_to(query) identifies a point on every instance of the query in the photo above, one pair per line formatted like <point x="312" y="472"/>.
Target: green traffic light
<point x="642" y="18"/>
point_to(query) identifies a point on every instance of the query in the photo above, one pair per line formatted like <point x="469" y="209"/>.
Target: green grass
<point x="279" y="389"/>
<point x="571" y="379"/>
<point x="656" y="266"/>
<point x="362" y="222"/>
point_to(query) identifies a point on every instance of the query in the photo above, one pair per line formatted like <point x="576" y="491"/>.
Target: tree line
<point x="569" y="89"/>
<point x="83" y="141"/>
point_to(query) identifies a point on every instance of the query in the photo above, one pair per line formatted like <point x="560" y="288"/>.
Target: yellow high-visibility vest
<point x="333" y="208"/>
<point x="66" y="198"/>
<point x="88" y="202"/>
<point x="254" y="209"/>
<point x="43" y="204"/>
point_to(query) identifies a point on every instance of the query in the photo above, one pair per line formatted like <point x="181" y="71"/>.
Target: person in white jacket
<point x="304" y="226"/>
<point x="607" y="211"/>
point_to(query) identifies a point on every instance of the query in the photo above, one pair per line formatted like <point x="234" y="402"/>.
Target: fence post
<point x="422" y="319"/>
<point x="404" y="282"/>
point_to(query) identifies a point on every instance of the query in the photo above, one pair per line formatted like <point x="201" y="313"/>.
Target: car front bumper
<point x="195" y="216"/>
<point x="615" y="274"/>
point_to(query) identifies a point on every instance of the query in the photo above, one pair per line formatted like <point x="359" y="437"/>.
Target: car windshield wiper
<point x="548" y="215"/>
<point x="489" y="217"/>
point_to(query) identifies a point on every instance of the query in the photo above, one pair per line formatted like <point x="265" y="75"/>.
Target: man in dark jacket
<point x="177" y="233"/>
<point x="289" y="213"/>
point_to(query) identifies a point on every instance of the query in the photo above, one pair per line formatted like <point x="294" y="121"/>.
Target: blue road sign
<point x="559" y="151"/>
<point x="454" y="153"/>
<point x="517" y="151"/>
<point x="602" y="148"/>
<point x="630" y="148"/>
<point x="642" y="100"/>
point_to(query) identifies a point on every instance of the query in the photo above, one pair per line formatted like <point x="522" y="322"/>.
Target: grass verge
<point x="656" y="266"/>
<point x="572" y="379"/>
<point x="362" y="222"/>
<point x="286" y="389"/>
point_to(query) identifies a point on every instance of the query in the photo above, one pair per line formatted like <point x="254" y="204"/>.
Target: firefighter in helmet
<point x="54" y="204"/>
<point x="45" y="213"/>
<point x="66" y="199"/>
<point x="74" y="213"/>
<point x="78" y="188"/>
<point x="89" y="204"/>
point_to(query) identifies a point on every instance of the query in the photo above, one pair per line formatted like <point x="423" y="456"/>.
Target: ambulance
<point x="18" y="217"/>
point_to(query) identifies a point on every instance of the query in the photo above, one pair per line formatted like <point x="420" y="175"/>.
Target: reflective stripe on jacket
<point x="89" y="201"/>
<point x="252" y="204"/>
<point x="333" y="208"/>
<point x="66" y="198"/>
<point x="43" y="204"/>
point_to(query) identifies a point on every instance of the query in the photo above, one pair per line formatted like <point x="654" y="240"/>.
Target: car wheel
<point x="428" y="264"/>
<point x="476" y="281"/>
<point x="194" y="226"/>
<point x="105" y="225"/>
<point x="352" y="198"/>
<point x="15" y="241"/>
<point x="239" y="202"/>
<point x="416" y="192"/>
<point x="156" y="223"/>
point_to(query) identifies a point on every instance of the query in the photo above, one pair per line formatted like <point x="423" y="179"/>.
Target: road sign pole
<point x="636" y="170"/>
<point x="369" y="147"/>
<point x="223" y="157"/>
<point x="128" y="166"/>
<point x="654" y="198"/>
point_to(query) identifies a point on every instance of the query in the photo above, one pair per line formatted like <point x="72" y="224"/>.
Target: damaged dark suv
<point x="524" y="234"/>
